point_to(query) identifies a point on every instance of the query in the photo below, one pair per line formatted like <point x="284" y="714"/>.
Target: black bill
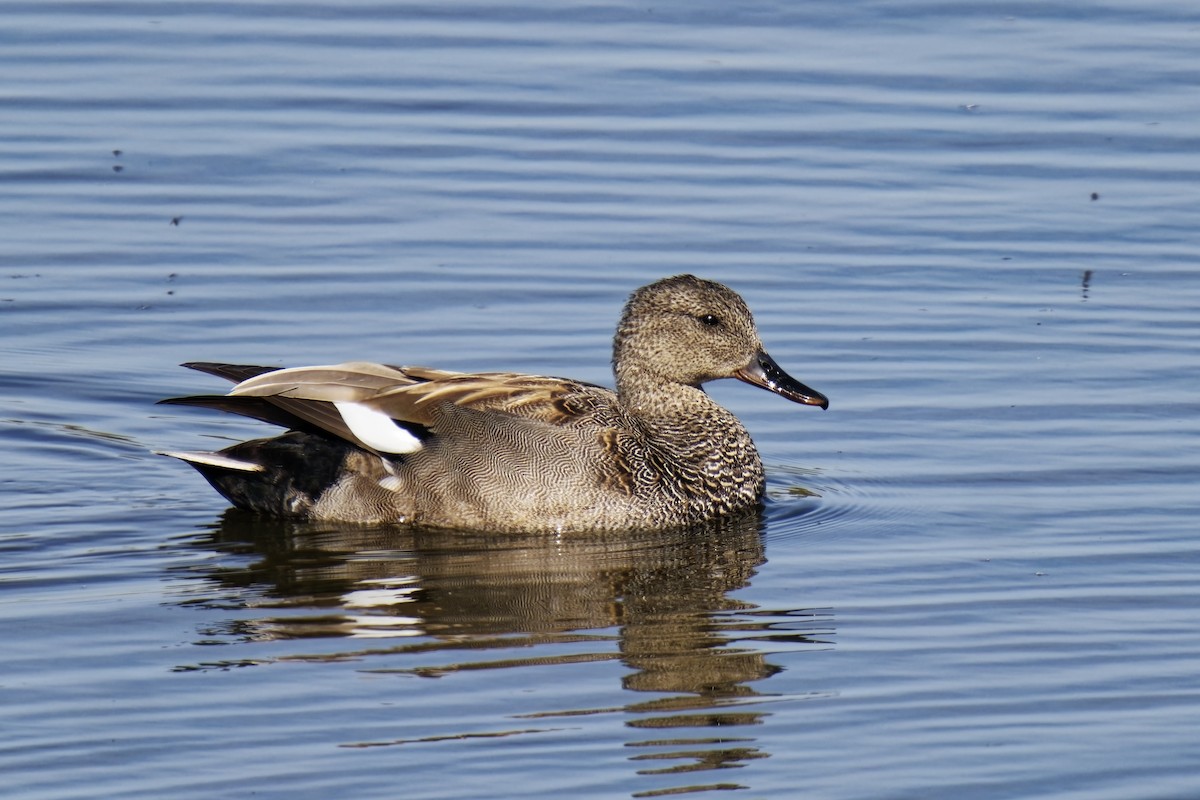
<point x="763" y="371"/>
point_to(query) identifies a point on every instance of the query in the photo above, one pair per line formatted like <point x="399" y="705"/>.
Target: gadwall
<point x="501" y="451"/>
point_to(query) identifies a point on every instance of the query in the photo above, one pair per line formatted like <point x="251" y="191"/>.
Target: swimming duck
<point x="506" y="452"/>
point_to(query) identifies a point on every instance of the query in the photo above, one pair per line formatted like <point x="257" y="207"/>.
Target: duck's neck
<point x="647" y="395"/>
<point x="707" y="445"/>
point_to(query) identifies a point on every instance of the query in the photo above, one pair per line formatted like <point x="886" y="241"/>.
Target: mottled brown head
<point x="686" y="330"/>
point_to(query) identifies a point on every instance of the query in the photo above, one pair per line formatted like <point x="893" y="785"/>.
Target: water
<point x="972" y="227"/>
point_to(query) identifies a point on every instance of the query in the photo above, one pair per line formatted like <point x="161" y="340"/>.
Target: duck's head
<point x="687" y="330"/>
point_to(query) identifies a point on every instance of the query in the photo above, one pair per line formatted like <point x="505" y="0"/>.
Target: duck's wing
<point x="295" y="415"/>
<point x="254" y="408"/>
<point x="554" y="401"/>
<point x="394" y="409"/>
<point x="230" y="372"/>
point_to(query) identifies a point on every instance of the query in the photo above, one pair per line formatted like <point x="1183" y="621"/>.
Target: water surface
<point x="972" y="227"/>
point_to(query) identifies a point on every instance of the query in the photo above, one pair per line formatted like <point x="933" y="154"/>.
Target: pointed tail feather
<point x="252" y="407"/>
<point x="281" y="477"/>
<point x="219" y="461"/>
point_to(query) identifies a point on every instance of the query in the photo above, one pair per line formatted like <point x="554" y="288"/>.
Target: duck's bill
<point x="763" y="371"/>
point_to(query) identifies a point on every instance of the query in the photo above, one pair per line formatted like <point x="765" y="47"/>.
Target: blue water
<point x="973" y="227"/>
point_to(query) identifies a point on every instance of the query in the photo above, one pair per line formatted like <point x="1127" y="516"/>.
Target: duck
<point x="507" y="452"/>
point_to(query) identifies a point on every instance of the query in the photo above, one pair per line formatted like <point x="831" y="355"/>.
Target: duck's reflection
<point x="658" y="602"/>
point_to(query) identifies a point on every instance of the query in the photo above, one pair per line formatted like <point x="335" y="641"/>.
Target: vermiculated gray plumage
<point x="508" y="452"/>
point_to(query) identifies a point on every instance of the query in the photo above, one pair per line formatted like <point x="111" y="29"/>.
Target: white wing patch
<point x="376" y="429"/>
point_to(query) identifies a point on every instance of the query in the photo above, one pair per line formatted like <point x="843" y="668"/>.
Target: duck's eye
<point x="710" y="320"/>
